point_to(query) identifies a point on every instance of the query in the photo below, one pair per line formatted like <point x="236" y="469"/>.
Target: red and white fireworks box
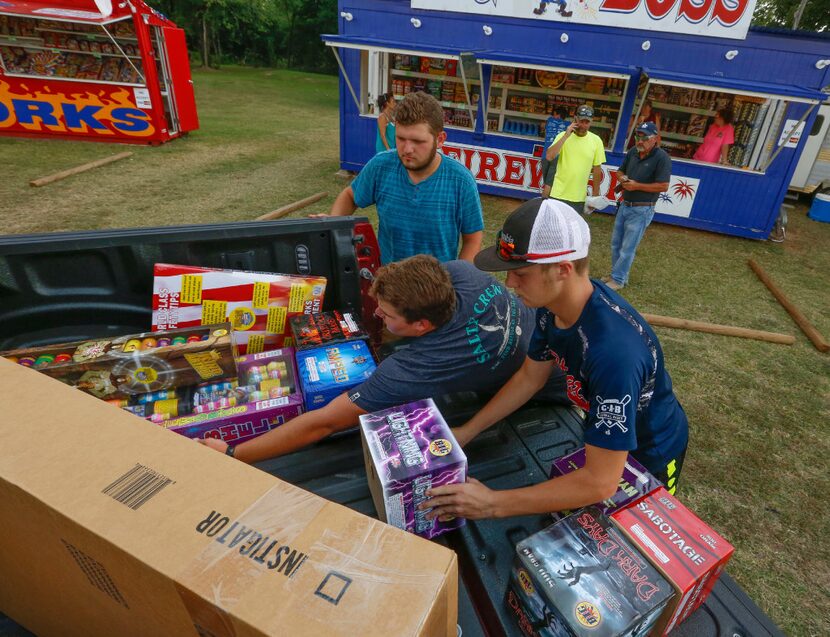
<point x="256" y="304"/>
<point x="682" y="547"/>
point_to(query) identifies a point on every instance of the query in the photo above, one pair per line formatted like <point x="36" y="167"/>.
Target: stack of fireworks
<point x="257" y="305"/>
<point x="325" y="328"/>
<point x="683" y="548"/>
<point x="582" y="577"/>
<point x="264" y="397"/>
<point x="126" y="366"/>
<point x="408" y="450"/>
<point x="326" y="372"/>
<point x="635" y="482"/>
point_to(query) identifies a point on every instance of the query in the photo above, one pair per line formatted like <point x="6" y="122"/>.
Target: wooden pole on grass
<point x="42" y="181"/>
<point x="812" y="333"/>
<point x="714" y="328"/>
<point x="297" y="205"/>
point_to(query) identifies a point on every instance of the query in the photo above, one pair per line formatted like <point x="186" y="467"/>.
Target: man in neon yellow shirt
<point x="581" y="153"/>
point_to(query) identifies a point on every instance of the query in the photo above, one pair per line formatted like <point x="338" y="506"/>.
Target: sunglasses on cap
<point x="507" y="252"/>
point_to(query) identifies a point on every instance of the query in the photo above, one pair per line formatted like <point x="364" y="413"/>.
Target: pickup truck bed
<point x="59" y="287"/>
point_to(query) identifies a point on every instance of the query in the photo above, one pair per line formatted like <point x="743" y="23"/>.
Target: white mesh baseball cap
<point x="538" y="231"/>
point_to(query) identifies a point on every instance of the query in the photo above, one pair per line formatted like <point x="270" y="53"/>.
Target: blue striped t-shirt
<point x="424" y="218"/>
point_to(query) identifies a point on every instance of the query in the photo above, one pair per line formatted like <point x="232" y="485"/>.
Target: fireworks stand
<point x="95" y="70"/>
<point x="499" y="69"/>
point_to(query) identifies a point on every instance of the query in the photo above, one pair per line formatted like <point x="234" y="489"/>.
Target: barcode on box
<point x="136" y="487"/>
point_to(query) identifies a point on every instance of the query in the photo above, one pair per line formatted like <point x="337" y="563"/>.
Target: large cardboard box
<point x="110" y="525"/>
<point x="408" y="450"/>
<point x="581" y="577"/>
<point x="681" y="546"/>
<point x="635" y="481"/>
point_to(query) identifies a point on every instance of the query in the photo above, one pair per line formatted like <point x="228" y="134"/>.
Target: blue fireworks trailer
<point x="500" y="68"/>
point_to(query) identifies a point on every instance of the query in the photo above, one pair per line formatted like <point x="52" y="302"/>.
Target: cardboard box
<point x="407" y="450"/>
<point x="239" y="423"/>
<point x="325" y="328"/>
<point x="635" y="481"/>
<point x="257" y="304"/>
<point x="111" y="525"/>
<point x="681" y="546"/>
<point x="326" y="372"/>
<point x="130" y="365"/>
<point x="581" y="577"/>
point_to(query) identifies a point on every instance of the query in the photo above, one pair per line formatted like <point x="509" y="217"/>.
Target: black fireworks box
<point x="582" y="577"/>
<point x="121" y="367"/>
<point x="325" y="328"/>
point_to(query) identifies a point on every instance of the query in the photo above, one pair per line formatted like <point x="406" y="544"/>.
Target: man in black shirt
<point x="644" y="174"/>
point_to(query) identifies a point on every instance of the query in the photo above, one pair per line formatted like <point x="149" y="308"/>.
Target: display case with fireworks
<point x="137" y="363"/>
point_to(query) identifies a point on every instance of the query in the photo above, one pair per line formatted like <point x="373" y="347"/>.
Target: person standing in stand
<point x="427" y="202"/>
<point x="580" y="154"/>
<point x="719" y="138"/>
<point x="555" y="124"/>
<point x="644" y="174"/>
<point x="647" y="114"/>
<point x="385" y="139"/>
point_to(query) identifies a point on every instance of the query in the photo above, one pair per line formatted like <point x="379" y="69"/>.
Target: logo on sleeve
<point x="611" y="413"/>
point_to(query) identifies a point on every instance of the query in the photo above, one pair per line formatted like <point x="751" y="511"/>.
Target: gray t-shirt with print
<point x="479" y="349"/>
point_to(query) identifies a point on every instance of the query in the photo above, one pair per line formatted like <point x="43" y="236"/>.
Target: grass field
<point x="757" y="468"/>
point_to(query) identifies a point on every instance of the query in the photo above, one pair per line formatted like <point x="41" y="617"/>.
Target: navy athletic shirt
<point x="615" y="373"/>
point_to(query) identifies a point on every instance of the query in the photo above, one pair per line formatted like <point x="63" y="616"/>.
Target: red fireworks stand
<point x="101" y="70"/>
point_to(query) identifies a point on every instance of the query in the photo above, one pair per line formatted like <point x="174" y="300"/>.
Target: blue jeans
<point x="629" y="228"/>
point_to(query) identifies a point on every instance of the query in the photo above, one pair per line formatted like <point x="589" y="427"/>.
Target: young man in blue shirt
<point x="426" y="201"/>
<point x="611" y="358"/>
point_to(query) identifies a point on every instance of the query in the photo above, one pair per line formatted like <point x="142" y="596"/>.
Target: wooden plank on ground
<point x="714" y="328"/>
<point x="812" y="333"/>
<point x="42" y="181"/>
<point x="292" y="207"/>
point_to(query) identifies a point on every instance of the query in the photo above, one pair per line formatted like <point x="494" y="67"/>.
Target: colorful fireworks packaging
<point x="682" y="547"/>
<point x="408" y="450"/>
<point x="326" y="372"/>
<point x="265" y="396"/>
<point x="126" y="366"/>
<point x="325" y="328"/>
<point x="581" y="577"/>
<point x="257" y="304"/>
<point x="635" y="481"/>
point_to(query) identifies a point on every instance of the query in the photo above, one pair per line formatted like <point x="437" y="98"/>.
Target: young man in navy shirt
<point x="611" y="358"/>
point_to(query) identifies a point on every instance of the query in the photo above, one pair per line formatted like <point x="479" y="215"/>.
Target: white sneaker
<point x="614" y="285"/>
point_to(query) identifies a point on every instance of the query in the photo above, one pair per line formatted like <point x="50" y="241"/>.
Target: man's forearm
<point x="568" y="492"/>
<point x="596" y="181"/>
<point x="656" y="187"/>
<point x="516" y="392"/>
<point x="470" y="245"/>
<point x="344" y="205"/>
<point x="554" y="149"/>
<point x="301" y="431"/>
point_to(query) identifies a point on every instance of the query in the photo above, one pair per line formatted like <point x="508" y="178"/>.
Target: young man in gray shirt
<point x="468" y="333"/>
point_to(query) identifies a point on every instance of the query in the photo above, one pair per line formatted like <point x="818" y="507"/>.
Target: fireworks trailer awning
<point x="90" y="11"/>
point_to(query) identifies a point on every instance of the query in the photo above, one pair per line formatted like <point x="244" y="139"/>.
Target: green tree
<point x="808" y="15"/>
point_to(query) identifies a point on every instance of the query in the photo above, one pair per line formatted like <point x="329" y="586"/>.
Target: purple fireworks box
<point x="409" y="449"/>
<point x="635" y="481"/>
<point x="239" y="423"/>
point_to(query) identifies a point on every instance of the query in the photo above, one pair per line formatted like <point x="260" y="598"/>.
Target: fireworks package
<point x="257" y="304"/>
<point x="126" y="366"/>
<point x="325" y="328"/>
<point x="408" y="450"/>
<point x="581" y="577"/>
<point x="326" y="372"/>
<point x="264" y="397"/>
<point x="635" y="481"/>
<point x="682" y="547"/>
